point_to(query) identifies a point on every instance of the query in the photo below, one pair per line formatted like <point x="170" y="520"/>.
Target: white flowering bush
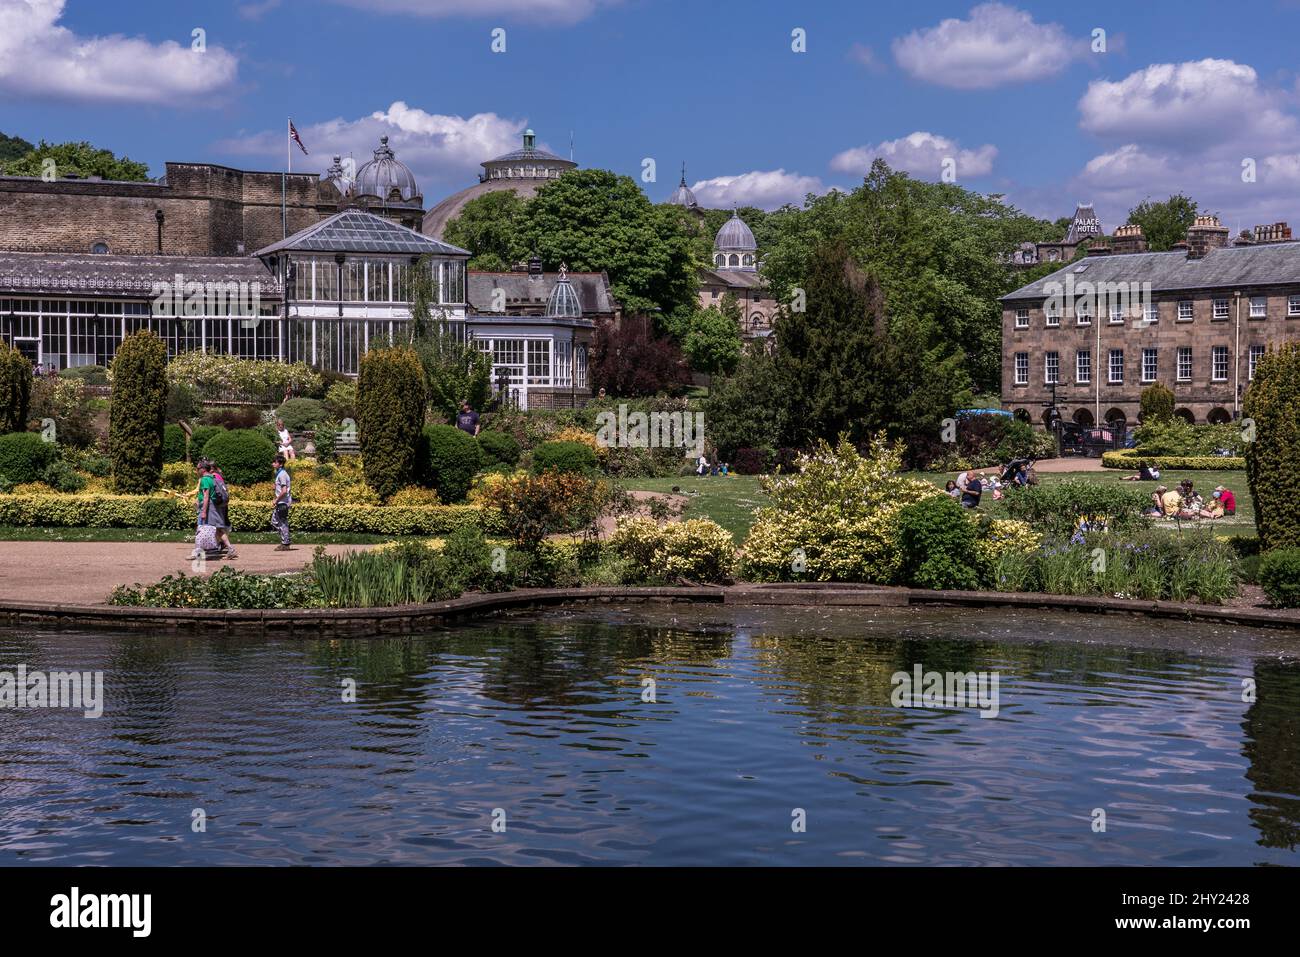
<point x="242" y="380"/>
<point x="697" y="550"/>
<point x="834" y="519"/>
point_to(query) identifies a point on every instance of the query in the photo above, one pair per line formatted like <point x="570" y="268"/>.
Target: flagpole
<point x="284" y="178"/>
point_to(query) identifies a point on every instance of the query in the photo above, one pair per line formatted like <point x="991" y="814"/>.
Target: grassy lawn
<point x="731" y="501"/>
<point x="728" y="501"/>
<point x="9" y="533"/>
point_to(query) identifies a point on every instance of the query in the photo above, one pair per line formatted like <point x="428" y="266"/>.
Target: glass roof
<point x="356" y="231"/>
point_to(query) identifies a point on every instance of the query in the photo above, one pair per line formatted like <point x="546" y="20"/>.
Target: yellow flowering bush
<point x="414" y="495"/>
<point x="833" y="519"/>
<point x="574" y="434"/>
<point x="698" y="550"/>
<point x="1001" y="536"/>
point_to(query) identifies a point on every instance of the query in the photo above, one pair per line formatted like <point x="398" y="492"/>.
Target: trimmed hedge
<point x="135" y="425"/>
<point x="390" y="412"/>
<point x="243" y="456"/>
<point x="15" y="389"/>
<point x="1279" y="576"/>
<point x="159" y="511"/>
<point x="1129" y="459"/>
<point x="564" y="457"/>
<point x="201" y="435"/>
<point x="24" y="456"/>
<point x="447" y="459"/>
<point x="499" y="448"/>
<point x="301" y="415"/>
<point x="173" y="444"/>
<point x="1272" y="408"/>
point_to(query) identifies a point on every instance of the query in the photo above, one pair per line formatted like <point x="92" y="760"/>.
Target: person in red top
<point x="1226" y="499"/>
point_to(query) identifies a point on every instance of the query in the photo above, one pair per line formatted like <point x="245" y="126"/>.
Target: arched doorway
<point x="1115" y="417"/>
<point x="1022" y="415"/>
<point x="1218" y="416"/>
<point x="1083" y="417"/>
<point x="1186" y="415"/>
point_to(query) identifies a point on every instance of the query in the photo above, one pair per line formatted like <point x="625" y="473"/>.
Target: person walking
<point x="218" y="510"/>
<point x="283" y="499"/>
<point x="467" y="419"/>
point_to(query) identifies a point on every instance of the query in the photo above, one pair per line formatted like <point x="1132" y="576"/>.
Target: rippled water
<point x="757" y="714"/>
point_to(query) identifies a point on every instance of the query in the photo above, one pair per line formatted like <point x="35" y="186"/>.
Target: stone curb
<point x="379" y="622"/>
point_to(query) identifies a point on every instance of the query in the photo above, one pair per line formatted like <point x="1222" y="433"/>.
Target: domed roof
<point x="384" y="174"/>
<point x="336" y="177"/>
<point x="735" y="236"/>
<point x="563" y="303"/>
<point x="682" y="195"/>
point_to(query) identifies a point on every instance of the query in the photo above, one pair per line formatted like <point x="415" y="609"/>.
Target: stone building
<point x="1095" y="333"/>
<point x="522" y="171"/>
<point x="735" y="271"/>
<point x="1084" y="225"/>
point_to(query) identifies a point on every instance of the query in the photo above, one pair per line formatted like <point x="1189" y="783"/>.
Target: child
<point x="280" y="510"/>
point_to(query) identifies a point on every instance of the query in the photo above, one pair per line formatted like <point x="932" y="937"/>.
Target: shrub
<point x="24" y="456"/>
<point x="165" y="512"/>
<point x="1056" y="508"/>
<point x="530" y="507"/>
<point x="233" y="417"/>
<point x="200" y="435"/>
<point x="90" y="375"/>
<point x="232" y="379"/>
<point x="225" y="588"/>
<point x="415" y="495"/>
<point x="998" y="538"/>
<point x="1175" y="437"/>
<point x="184" y="404"/>
<point x="135" y="431"/>
<point x="390" y="411"/>
<point x="447" y="460"/>
<point x="575" y="457"/>
<point x="65" y="402"/>
<point x="341" y="400"/>
<point x="15" y="389"/>
<point x="499" y="448"/>
<point x="326" y="439"/>
<point x="62" y="477"/>
<point x="1272" y="405"/>
<point x="936" y="545"/>
<point x="301" y="415"/>
<point x="1279" y="576"/>
<point x="242" y="455"/>
<point x="834" y="519"/>
<point x="89" y="461"/>
<point x="405" y="575"/>
<point x="698" y="550"/>
<point x="173" y="444"/>
<point x="1130" y="459"/>
<point x="751" y="461"/>
<point x="1156" y="403"/>
<point x="468" y="562"/>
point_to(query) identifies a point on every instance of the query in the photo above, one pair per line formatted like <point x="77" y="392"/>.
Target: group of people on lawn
<point x="972" y="485"/>
<point x="1185" y="503"/>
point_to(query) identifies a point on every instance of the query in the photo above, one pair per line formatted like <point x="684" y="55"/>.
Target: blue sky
<point x="1184" y="94"/>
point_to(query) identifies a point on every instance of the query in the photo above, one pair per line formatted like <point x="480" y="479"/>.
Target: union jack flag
<point x="293" y="133"/>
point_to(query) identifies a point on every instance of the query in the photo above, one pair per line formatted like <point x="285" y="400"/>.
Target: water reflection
<point x="752" y="715"/>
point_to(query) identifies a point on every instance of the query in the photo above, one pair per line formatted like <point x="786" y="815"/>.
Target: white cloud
<point x="256" y="11"/>
<point x="1195" y="103"/>
<point x="41" y="60"/>
<point x="766" y="189"/>
<point x="921" y="154"/>
<point x="439" y="149"/>
<point x="866" y="57"/>
<point x="546" y="11"/>
<point x="999" y="45"/>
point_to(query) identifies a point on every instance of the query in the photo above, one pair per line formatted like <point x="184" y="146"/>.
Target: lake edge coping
<point x="405" y="619"/>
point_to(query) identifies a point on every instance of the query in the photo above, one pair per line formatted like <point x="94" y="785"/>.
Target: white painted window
<point x="1022" y="318"/>
<point x="1150" y="365"/>
<point x="1220" y="309"/>
<point x="1184" y="310"/>
<point x="1219" y="364"/>
<point x="1052" y="367"/>
<point x="1022" y="368"/>
<point x="1083" y="365"/>
<point x="1116" y="365"/>
<point x="1258" y="307"/>
<point x="1184" y="363"/>
<point x="1256" y="353"/>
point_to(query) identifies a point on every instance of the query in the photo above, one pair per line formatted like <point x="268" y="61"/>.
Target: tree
<point x="713" y="343"/>
<point x="1271" y="411"/>
<point x="77" y="159"/>
<point x="454" y="369"/>
<point x="1156" y="403"/>
<point x="13" y="147"/>
<point x="628" y="359"/>
<point x="390" y="415"/>
<point x="138" y="412"/>
<point x="746" y="409"/>
<point x="490" y="226"/>
<point x="15" y="389"/>
<point x="1164" y="224"/>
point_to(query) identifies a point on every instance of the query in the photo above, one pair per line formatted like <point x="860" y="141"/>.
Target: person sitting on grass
<point x="1156" y="508"/>
<point x="970" y="497"/>
<point x="1145" y="473"/>
<point x="1171" y="502"/>
<point x="952" y="489"/>
<point x="1226" y="499"/>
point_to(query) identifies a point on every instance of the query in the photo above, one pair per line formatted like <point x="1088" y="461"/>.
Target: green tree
<point x="13" y="147"/>
<point x="390" y="415"/>
<point x="490" y="227"/>
<point x="138" y="412"/>
<point x="15" y="389"/>
<point x="454" y="369"/>
<point x="1156" y="403"/>
<point x="713" y="343"/>
<point x="746" y="409"/>
<point x="1272" y="410"/>
<point x="1164" y="224"/>
<point x="77" y="159"/>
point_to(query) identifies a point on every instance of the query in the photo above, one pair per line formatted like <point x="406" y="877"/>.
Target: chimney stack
<point x="1206" y="233"/>
<point x="1099" y="248"/>
<point x="1129" y="239"/>
<point x="1275" y="233"/>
